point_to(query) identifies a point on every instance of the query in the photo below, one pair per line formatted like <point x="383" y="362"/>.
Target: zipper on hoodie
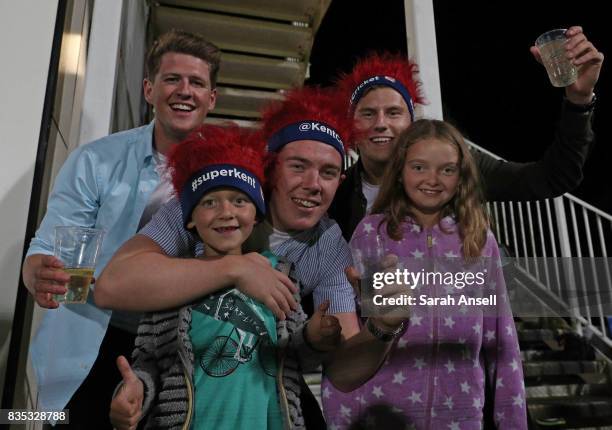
<point x="189" y="401"/>
<point x="190" y="390"/>
<point x="434" y="356"/>
<point x="281" y="391"/>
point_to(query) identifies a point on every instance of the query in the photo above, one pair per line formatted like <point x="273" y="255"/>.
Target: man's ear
<point x="191" y="224"/>
<point x="342" y="177"/>
<point x="213" y="99"/>
<point x="147" y="88"/>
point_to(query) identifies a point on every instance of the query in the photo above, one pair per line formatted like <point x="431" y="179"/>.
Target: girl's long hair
<point x="467" y="203"/>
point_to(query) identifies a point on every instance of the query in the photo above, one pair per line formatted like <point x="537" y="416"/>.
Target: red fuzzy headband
<point x="213" y="156"/>
<point x="383" y="68"/>
<point x="308" y="113"/>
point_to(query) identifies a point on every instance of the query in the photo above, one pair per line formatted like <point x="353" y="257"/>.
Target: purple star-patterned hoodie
<point x="440" y="370"/>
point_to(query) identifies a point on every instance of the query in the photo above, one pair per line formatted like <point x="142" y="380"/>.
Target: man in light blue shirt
<point x="114" y="184"/>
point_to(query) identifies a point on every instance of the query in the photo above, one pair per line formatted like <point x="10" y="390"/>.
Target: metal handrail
<point x="574" y="236"/>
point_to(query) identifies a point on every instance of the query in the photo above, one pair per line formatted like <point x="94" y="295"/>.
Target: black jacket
<point x="557" y="172"/>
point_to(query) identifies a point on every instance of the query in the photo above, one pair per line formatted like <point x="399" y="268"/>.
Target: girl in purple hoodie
<point x="454" y="357"/>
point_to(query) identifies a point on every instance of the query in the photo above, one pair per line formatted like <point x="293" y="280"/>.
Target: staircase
<point x="265" y="47"/>
<point x="567" y="382"/>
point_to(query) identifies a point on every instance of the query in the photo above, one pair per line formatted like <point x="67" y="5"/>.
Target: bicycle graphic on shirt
<point x="227" y="352"/>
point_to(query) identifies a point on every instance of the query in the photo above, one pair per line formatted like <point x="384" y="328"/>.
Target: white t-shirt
<point x="162" y="193"/>
<point x="369" y="192"/>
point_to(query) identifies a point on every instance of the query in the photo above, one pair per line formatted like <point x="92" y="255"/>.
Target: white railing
<point x="562" y="246"/>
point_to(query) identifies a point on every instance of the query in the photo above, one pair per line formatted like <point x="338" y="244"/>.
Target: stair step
<point x="567" y="390"/>
<point x="260" y="72"/>
<point x="588" y="427"/>
<point x="586" y="422"/>
<point x="312" y="378"/>
<point x="243" y="103"/>
<point x="538" y="354"/>
<point x="302" y="10"/>
<point x="559" y="354"/>
<point x="561" y="423"/>
<point x="231" y="33"/>
<point x="224" y="121"/>
<point x="541" y="334"/>
<point x="544" y="368"/>
<point x="550" y="323"/>
<point x="572" y="409"/>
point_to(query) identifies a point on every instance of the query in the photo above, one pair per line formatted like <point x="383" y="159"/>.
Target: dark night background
<point x="492" y="87"/>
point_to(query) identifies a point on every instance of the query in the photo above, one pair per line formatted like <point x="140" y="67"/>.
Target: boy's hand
<point x="126" y="407"/>
<point x="323" y="332"/>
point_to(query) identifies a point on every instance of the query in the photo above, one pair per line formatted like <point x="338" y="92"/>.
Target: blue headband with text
<point x="220" y="175"/>
<point x="306" y="130"/>
<point x="387" y="81"/>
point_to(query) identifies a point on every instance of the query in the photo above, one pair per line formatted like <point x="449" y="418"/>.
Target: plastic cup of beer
<point x="369" y="256"/>
<point x="375" y="263"/>
<point x="78" y="248"/>
<point x="561" y="71"/>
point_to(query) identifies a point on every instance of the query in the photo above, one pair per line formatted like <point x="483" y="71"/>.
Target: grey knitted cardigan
<point x="163" y="360"/>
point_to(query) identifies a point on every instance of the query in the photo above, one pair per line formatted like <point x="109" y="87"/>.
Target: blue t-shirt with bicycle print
<point x="234" y="341"/>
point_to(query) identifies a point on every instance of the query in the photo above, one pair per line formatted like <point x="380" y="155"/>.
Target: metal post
<point x="422" y="48"/>
<point x="566" y="253"/>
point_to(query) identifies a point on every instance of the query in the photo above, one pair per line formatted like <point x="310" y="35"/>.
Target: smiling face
<point x="305" y="179"/>
<point x="181" y="94"/>
<point x="379" y="117"/>
<point x="224" y="219"/>
<point x="430" y="178"/>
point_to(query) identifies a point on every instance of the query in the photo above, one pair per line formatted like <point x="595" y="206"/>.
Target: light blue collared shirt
<point x="105" y="184"/>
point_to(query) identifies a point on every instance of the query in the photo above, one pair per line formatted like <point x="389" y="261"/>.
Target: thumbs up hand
<point x="323" y="332"/>
<point x="126" y="407"/>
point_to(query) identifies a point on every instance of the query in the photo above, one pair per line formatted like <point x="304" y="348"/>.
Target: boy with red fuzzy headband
<point x="215" y="363"/>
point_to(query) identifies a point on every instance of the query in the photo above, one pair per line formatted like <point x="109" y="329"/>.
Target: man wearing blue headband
<point x="381" y="92"/>
<point x="306" y="141"/>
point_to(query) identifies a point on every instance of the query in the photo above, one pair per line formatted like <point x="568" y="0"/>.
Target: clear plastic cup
<point x="78" y="248"/>
<point x="561" y="71"/>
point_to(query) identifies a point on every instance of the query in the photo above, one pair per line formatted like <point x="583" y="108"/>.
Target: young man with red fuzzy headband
<point x="305" y="136"/>
<point x="381" y="92"/>
<point x="213" y="363"/>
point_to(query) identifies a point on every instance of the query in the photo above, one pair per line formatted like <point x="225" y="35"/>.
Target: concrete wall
<point x="63" y="138"/>
<point x="26" y="35"/>
<point x="101" y="73"/>
<point x="98" y="91"/>
<point x="129" y="104"/>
